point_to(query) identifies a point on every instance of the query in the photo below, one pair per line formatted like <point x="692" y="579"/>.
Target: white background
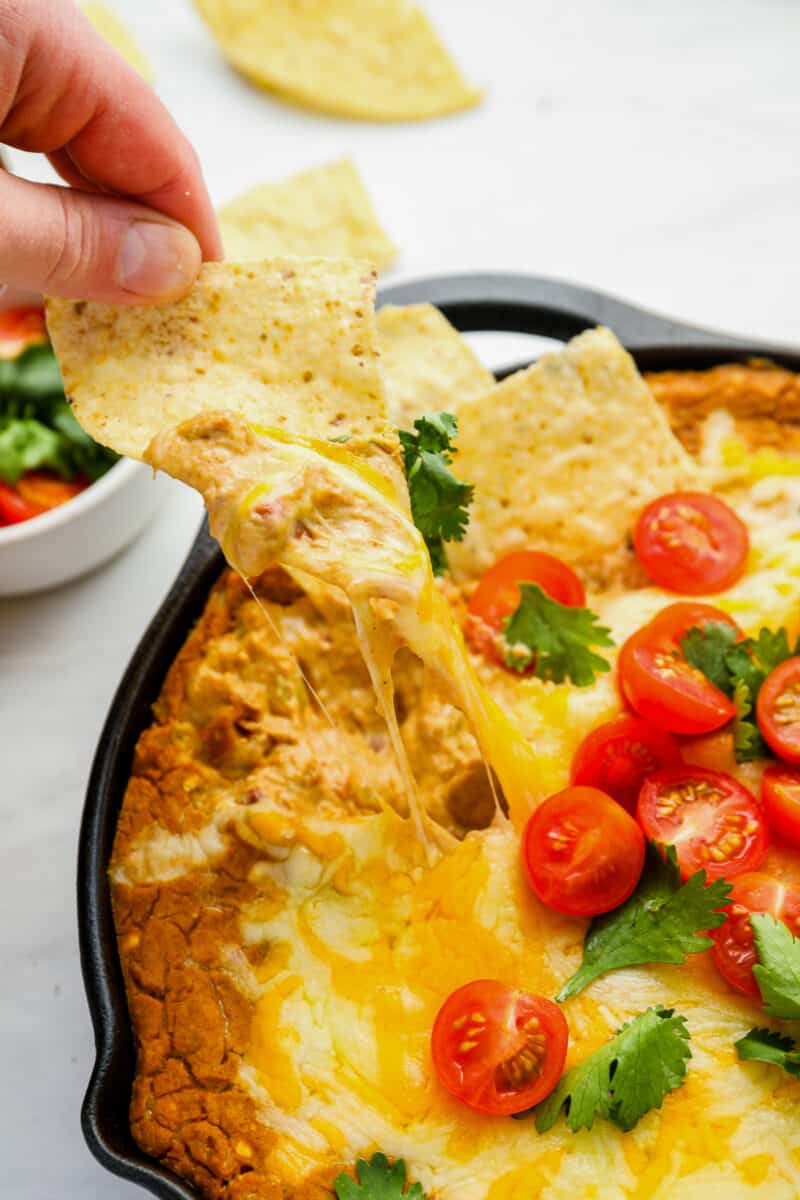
<point x="647" y="149"/>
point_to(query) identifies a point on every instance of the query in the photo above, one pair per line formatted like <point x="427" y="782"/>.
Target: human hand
<point x="136" y="222"/>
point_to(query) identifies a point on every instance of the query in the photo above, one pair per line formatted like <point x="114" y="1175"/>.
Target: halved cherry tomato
<point x="582" y="853"/>
<point x="659" y="684"/>
<point x="44" y="490"/>
<point x="778" y="710"/>
<point x="497" y="596"/>
<point x="691" y="542"/>
<point x="676" y="619"/>
<point x="780" y="795"/>
<point x="498" y="1050"/>
<point x="734" y="951"/>
<point x="13" y="508"/>
<point x="710" y="818"/>
<point x="20" y="328"/>
<point x="616" y="758"/>
<point x="713" y="750"/>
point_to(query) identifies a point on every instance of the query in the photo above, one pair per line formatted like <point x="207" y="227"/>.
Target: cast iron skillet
<point x="516" y="303"/>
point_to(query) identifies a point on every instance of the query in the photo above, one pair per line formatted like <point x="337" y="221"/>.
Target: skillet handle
<point x="547" y="307"/>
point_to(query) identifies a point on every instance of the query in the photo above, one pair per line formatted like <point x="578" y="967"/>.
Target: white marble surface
<point x="646" y="149"/>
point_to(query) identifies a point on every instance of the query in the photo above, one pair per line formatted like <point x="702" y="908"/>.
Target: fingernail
<point x="157" y="261"/>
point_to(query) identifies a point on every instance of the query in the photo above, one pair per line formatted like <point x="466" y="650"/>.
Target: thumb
<point x="92" y="247"/>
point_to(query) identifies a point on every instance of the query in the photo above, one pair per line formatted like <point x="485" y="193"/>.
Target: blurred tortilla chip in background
<point x="578" y="447"/>
<point x="427" y="366"/>
<point x="248" y="338"/>
<point x="323" y="211"/>
<point x="107" y="23"/>
<point x="380" y="61"/>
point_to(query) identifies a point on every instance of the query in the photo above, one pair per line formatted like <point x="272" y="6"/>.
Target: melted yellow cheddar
<point x="373" y="942"/>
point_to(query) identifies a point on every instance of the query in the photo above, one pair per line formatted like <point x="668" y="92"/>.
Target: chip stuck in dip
<point x="380" y="888"/>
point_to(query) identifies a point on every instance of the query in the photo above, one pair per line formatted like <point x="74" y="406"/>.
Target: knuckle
<point x="72" y="241"/>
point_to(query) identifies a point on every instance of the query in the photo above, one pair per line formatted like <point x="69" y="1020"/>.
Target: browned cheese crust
<point x="762" y="398"/>
<point x="234" y="716"/>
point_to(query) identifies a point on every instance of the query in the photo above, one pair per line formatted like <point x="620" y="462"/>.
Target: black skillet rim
<point x="508" y="302"/>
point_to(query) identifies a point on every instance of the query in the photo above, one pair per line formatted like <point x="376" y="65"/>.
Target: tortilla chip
<point x="322" y="211"/>
<point x="427" y="366"/>
<point x="357" y="58"/>
<point x="107" y="23"/>
<point x="250" y="338"/>
<point x="563" y="457"/>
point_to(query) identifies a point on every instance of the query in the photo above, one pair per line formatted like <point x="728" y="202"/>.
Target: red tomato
<point x="617" y="756"/>
<point x="691" y="542"/>
<point x="710" y="818"/>
<point x="13" y="508"/>
<point x="780" y="795"/>
<point x="713" y="750"/>
<point x="20" y="328"/>
<point x="676" y="619"/>
<point x="498" y="1050"/>
<point x="44" y="490"/>
<point x="659" y="684"/>
<point x="497" y="595"/>
<point x="778" y="710"/>
<point x="734" y="951"/>
<point x="582" y="853"/>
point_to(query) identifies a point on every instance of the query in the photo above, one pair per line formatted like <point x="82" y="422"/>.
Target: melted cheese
<point x="377" y="557"/>
<point x="366" y="936"/>
<point x="366" y="948"/>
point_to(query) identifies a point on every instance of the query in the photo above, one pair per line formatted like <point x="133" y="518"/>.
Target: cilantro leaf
<point x="738" y="669"/>
<point x="624" y="1079"/>
<point x="770" y="649"/>
<point x="557" y="636"/>
<point x="663" y="921"/>
<point x="438" y="500"/>
<point x="748" y="744"/>
<point x="706" y="649"/>
<point x="777" y="971"/>
<point x="377" y="1180"/>
<point x="762" y="1045"/>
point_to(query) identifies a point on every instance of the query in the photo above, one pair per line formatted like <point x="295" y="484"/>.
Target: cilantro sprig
<point x="777" y="971"/>
<point x="764" y="1045"/>
<point x="662" y="922"/>
<point x="557" y="636"/>
<point x="377" y="1180"/>
<point x="439" y="501"/>
<point x="739" y="669"/>
<point x="626" y="1078"/>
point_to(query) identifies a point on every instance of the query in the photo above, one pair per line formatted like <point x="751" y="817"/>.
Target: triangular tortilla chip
<point x="427" y="366"/>
<point x="325" y="210"/>
<point x="107" y="23"/>
<point x="248" y="337"/>
<point x="381" y="61"/>
<point x="563" y="457"/>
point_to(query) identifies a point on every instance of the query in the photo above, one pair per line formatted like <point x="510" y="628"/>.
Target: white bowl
<point x="78" y="536"/>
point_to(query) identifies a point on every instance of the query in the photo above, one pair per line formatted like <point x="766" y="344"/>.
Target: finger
<point x="91" y="247"/>
<point x="62" y="162"/>
<point x="62" y="86"/>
